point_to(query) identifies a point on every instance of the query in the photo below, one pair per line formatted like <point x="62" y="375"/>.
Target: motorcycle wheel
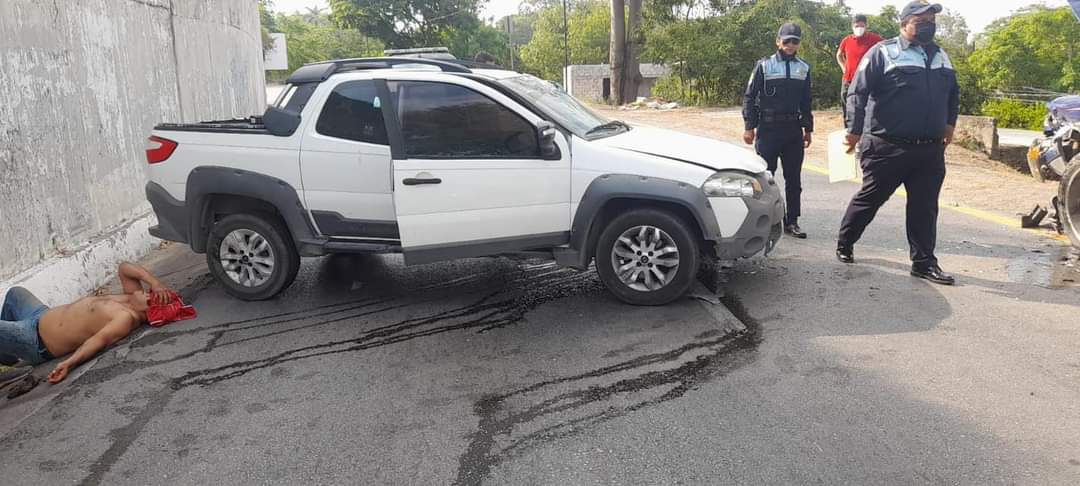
<point x="1069" y="202"/>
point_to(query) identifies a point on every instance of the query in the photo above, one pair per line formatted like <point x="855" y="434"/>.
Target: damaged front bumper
<point x="762" y="227"/>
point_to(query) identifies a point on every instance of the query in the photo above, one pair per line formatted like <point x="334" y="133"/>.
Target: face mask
<point x="924" y="32"/>
<point x="859" y="31"/>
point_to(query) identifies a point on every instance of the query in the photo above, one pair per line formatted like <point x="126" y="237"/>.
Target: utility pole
<point x="510" y="35"/>
<point x="566" y="44"/>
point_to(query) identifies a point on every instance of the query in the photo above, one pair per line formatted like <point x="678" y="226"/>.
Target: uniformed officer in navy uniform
<point x="901" y="113"/>
<point x="777" y="106"/>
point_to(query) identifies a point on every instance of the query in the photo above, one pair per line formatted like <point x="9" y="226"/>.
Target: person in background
<point x="851" y="51"/>
<point x="776" y="115"/>
<point x="901" y="112"/>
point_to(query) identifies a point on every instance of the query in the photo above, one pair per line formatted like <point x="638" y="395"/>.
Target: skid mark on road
<point x="497" y="309"/>
<point x="512" y="423"/>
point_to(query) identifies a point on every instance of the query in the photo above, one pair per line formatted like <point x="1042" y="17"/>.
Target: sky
<point x="978" y="13"/>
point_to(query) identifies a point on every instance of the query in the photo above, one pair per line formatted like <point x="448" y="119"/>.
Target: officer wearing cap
<point x="776" y="113"/>
<point x="901" y="113"/>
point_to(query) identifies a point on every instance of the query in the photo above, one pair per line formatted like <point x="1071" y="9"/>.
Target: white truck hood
<point x="692" y="149"/>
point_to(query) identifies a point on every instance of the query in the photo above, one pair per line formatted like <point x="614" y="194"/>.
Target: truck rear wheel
<point x="647" y="257"/>
<point x="252" y="256"/>
<point x="1069" y="202"/>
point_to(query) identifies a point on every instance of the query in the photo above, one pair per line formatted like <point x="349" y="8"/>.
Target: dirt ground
<point x="973" y="179"/>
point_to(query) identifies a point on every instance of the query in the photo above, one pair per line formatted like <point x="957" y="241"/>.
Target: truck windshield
<point x="563" y="108"/>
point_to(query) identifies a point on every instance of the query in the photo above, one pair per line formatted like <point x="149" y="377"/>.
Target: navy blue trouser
<point x="784" y="142"/>
<point x="921" y="169"/>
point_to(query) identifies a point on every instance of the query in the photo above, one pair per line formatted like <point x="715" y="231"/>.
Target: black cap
<point x="858" y="18"/>
<point x="919" y="7"/>
<point x="790" y="31"/>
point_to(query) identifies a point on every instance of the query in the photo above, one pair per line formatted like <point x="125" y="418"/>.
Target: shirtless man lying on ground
<point x="31" y="331"/>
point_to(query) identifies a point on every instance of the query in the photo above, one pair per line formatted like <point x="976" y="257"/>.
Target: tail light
<point x="159" y="149"/>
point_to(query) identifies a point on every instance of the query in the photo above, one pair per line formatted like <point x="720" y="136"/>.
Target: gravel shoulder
<point x="973" y="179"/>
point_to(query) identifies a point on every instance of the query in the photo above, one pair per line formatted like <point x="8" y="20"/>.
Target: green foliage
<point x="466" y="43"/>
<point x="1016" y="114"/>
<point x="886" y="23"/>
<point x="1039" y="48"/>
<point x="712" y="57"/>
<point x="589" y="31"/>
<point x="407" y="23"/>
<point x="267" y="24"/>
<point x="312" y="39"/>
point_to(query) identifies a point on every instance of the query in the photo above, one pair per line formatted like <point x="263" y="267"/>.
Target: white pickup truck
<point x="441" y="160"/>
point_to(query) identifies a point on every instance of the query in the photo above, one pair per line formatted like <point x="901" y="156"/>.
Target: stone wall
<point x="82" y="83"/>
<point x="586" y="81"/>
<point x="978" y="133"/>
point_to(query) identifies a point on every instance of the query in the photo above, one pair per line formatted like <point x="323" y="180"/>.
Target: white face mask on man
<point x="859" y="31"/>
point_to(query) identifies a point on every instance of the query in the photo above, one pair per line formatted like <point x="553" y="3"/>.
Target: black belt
<point x="912" y="141"/>
<point x="780" y="117"/>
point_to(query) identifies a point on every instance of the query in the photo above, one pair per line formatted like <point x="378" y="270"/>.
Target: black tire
<point x="282" y="252"/>
<point x="680" y="233"/>
<point x="1069" y="201"/>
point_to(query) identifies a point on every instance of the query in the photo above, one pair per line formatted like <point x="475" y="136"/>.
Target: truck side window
<point x="447" y="121"/>
<point x="352" y="112"/>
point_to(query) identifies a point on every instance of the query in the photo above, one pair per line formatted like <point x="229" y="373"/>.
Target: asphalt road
<point x="500" y="371"/>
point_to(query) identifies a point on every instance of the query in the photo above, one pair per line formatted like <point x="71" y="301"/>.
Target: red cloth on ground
<point x="161" y="314"/>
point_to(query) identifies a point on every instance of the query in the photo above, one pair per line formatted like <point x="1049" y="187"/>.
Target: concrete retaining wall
<point x="978" y="133"/>
<point x="586" y="81"/>
<point x="82" y="83"/>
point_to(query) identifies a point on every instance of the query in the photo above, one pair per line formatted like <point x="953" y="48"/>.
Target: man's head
<point x="140" y="302"/>
<point x="858" y="25"/>
<point x="917" y="22"/>
<point x="789" y="38"/>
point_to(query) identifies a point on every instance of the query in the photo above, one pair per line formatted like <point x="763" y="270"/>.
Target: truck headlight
<point x="732" y="184"/>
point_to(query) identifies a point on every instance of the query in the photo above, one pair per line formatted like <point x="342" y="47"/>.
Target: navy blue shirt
<point x="779" y="85"/>
<point x="903" y="91"/>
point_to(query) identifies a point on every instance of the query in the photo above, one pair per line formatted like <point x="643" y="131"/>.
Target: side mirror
<point x="545" y="133"/>
<point x="279" y="122"/>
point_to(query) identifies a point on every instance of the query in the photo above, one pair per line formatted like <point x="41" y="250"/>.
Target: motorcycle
<point x="1058" y="157"/>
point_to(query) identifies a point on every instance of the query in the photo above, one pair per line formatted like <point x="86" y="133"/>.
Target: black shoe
<point x="13" y="375"/>
<point x="934" y="274"/>
<point x="795" y="231"/>
<point x="845" y="255"/>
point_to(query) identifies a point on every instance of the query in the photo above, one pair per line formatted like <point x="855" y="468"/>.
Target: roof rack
<point x="321" y="71"/>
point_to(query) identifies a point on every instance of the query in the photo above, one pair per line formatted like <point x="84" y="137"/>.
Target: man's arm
<point x="132" y="277"/>
<point x="841" y="56"/>
<point x="114" y="331"/>
<point x="750" y="113"/>
<point x="953" y="113"/>
<point x="806" y="108"/>
<point x="866" y="77"/>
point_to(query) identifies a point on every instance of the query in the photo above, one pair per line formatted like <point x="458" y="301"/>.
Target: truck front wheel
<point x="647" y="257"/>
<point x="251" y="256"/>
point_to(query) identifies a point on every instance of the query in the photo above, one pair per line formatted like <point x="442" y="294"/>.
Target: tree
<point x="589" y="38"/>
<point x="635" y="43"/>
<point x="953" y="34"/>
<point x="1038" y="48"/>
<point x="319" y="41"/>
<point x="406" y="23"/>
<point x="266" y="24"/>
<point x="886" y="23"/>
<point x="736" y="39"/>
<point x="618" y="51"/>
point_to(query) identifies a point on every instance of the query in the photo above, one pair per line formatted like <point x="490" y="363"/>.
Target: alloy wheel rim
<point x="247" y="258"/>
<point x="645" y="258"/>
